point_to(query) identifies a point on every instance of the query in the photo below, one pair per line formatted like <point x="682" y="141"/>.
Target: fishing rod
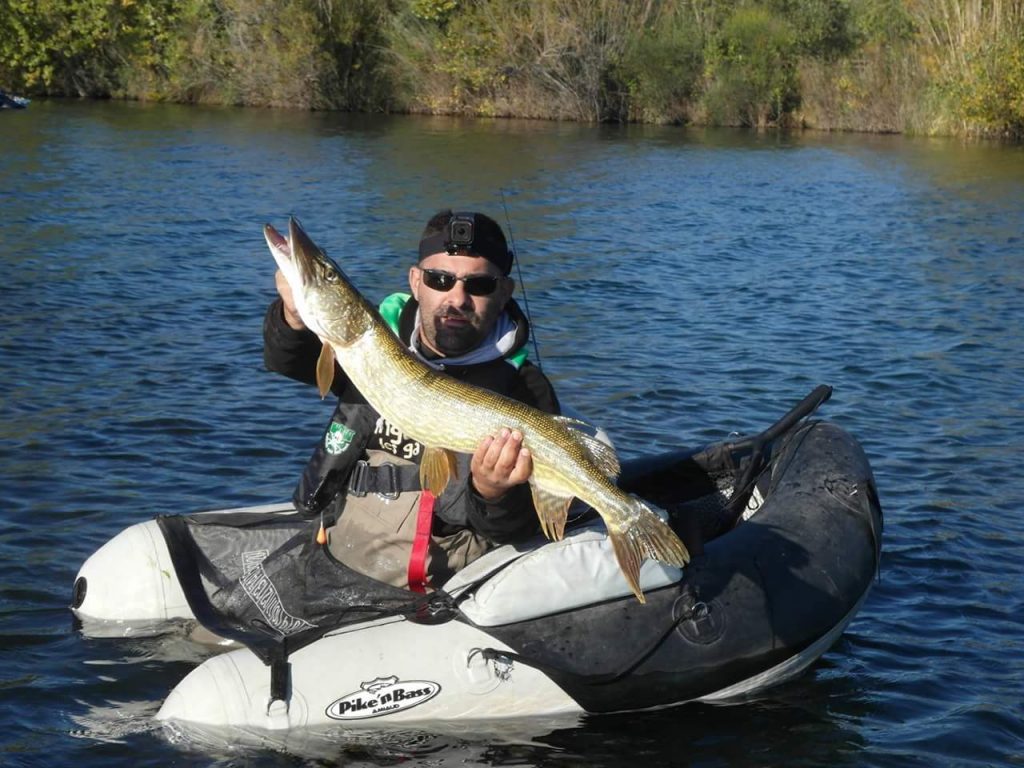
<point x="519" y="276"/>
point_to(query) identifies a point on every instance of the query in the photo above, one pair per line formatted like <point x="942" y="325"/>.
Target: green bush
<point x="661" y="72"/>
<point x="445" y="56"/>
<point x="752" y="64"/>
<point x="358" y="71"/>
<point x="885" y="22"/>
<point x="437" y="11"/>
<point x="992" y="89"/>
<point x="180" y="55"/>
<point x="49" y="46"/>
<point x="304" y="53"/>
<point x="821" y="28"/>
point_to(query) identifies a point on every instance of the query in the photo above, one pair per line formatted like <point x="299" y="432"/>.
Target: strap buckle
<point x="357" y="479"/>
<point x="388" y="489"/>
<point x="382" y="479"/>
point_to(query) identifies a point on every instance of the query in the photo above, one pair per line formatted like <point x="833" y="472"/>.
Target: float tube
<point x="785" y="528"/>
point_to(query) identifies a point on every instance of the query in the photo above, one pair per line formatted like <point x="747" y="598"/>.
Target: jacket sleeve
<point x="506" y="520"/>
<point x="293" y="353"/>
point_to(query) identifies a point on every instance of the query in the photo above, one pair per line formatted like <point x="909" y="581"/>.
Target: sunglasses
<point x="475" y="285"/>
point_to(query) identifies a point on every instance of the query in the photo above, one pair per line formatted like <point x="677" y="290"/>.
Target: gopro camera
<point x="460" y="233"/>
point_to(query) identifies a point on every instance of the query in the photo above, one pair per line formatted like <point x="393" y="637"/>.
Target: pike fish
<point x="448" y="416"/>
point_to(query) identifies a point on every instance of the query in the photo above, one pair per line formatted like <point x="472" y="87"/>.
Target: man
<point x="461" y="319"/>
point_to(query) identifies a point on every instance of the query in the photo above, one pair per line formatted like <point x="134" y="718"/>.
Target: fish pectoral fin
<point x="437" y="468"/>
<point x="552" y="509"/>
<point x="648" y="536"/>
<point x="325" y="370"/>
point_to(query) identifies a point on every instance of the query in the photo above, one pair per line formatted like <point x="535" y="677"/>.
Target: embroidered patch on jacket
<point x="338" y="438"/>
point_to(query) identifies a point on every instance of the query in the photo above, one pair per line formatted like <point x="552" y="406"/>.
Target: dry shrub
<point x="552" y="58"/>
<point x="878" y="91"/>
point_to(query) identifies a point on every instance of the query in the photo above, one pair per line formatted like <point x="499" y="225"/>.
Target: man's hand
<point x="291" y="316"/>
<point x="499" y="463"/>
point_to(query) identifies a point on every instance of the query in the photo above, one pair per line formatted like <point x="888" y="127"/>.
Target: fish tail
<point x="648" y="537"/>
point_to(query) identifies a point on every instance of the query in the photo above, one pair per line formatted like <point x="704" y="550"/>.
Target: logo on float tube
<point x="383" y="696"/>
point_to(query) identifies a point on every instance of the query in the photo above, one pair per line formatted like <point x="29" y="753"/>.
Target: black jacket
<point x="511" y="518"/>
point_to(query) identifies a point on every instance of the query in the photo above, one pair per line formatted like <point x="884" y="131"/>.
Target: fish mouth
<point x="296" y="257"/>
<point x="293" y="254"/>
<point x="278" y="243"/>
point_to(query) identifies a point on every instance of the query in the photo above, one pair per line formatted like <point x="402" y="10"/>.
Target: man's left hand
<point x="499" y="463"/>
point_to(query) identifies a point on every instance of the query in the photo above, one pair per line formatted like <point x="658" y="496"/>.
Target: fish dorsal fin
<point x="437" y="467"/>
<point x="325" y="369"/>
<point x="552" y="509"/>
<point x="602" y="454"/>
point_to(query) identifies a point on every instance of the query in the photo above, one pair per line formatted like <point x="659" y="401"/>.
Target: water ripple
<point x="686" y="286"/>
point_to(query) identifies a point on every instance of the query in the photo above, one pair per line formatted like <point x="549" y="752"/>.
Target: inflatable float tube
<point x="792" y="524"/>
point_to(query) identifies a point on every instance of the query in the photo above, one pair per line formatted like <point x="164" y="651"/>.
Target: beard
<point x="452" y="340"/>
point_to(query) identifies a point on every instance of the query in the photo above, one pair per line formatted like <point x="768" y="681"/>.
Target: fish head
<point x="327" y="302"/>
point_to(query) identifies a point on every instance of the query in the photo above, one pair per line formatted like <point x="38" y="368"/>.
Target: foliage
<point x="53" y="46"/>
<point x="662" y="71"/>
<point x="753" y="64"/>
<point x="305" y="53"/>
<point x="972" y="51"/>
<point x="886" y="22"/>
<point x="433" y="10"/>
<point x="444" y="58"/>
<point x="178" y="56"/>
<point x="994" y="100"/>
<point x="359" y="72"/>
<point x="821" y="28"/>
<point x="548" y="58"/>
<point x="879" y="91"/>
<point x="918" y="65"/>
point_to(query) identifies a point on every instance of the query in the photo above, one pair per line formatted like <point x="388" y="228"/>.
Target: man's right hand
<point x="291" y="316"/>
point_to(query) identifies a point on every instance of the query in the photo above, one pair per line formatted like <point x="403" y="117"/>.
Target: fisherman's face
<point x="455" y="321"/>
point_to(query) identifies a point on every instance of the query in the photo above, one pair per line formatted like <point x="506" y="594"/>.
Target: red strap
<point x="420" y="544"/>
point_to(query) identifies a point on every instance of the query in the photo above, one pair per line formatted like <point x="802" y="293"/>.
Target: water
<point x="685" y="285"/>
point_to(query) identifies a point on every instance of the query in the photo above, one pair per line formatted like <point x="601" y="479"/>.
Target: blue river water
<point x="685" y="285"/>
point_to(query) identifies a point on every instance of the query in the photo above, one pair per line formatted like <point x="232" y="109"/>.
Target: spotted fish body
<point x="446" y="415"/>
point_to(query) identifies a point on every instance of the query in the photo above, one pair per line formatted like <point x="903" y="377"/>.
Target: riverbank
<point x="936" y="67"/>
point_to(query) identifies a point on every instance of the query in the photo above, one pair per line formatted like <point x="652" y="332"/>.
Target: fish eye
<point x="329" y="272"/>
<point x="332" y="272"/>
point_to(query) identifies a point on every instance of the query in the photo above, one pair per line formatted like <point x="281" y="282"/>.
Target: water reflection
<point x="478" y="743"/>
